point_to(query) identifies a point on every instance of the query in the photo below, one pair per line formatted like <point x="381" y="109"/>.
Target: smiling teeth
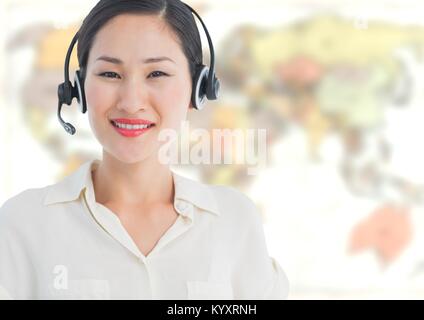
<point x="131" y="126"/>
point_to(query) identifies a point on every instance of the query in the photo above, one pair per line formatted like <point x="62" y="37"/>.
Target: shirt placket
<point x="183" y="223"/>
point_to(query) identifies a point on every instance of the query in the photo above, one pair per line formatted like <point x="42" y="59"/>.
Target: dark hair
<point x="174" y="12"/>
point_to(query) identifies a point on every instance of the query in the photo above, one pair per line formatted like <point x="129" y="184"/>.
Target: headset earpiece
<point x="202" y="89"/>
<point x="79" y="91"/>
<point x="199" y="87"/>
<point x="64" y="93"/>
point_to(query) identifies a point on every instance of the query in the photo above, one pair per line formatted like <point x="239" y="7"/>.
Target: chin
<point x="130" y="159"/>
<point x="129" y="155"/>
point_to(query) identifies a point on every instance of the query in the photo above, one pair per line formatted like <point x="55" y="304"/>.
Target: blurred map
<point x="341" y="98"/>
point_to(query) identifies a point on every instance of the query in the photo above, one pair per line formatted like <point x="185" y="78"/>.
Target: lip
<point x="131" y="133"/>
<point x="132" y="121"/>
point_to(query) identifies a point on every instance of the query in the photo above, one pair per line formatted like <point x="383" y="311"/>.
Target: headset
<point x="205" y="83"/>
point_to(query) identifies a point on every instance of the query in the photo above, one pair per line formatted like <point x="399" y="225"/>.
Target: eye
<point x="156" y="74"/>
<point x="109" y="74"/>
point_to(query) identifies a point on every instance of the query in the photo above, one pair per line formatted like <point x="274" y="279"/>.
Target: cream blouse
<point x="57" y="242"/>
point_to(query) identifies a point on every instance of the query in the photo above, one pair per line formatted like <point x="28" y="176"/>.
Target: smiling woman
<point x="128" y="226"/>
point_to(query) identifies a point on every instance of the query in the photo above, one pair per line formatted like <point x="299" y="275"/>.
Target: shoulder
<point x="229" y="203"/>
<point x="22" y="206"/>
<point x="234" y="202"/>
<point x="232" y="197"/>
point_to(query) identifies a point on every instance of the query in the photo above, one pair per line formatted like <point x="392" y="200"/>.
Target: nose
<point x="133" y="96"/>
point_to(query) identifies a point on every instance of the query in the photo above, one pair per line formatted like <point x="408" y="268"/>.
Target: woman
<point x="128" y="227"/>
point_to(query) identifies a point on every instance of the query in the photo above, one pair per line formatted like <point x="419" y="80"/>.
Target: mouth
<point x="127" y="126"/>
<point x="131" y="130"/>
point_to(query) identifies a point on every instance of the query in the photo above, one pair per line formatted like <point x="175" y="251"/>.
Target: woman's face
<point x="136" y="70"/>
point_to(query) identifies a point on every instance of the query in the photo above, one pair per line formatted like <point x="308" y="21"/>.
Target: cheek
<point x="97" y="96"/>
<point x="99" y="99"/>
<point x="175" y="103"/>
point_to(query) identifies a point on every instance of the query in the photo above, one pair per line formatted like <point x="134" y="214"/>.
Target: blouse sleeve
<point x="257" y="275"/>
<point x="15" y="270"/>
<point x="7" y="265"/>
<point x="280" y="290"/>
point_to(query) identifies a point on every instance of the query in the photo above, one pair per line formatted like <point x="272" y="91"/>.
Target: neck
<point x="147" y="183"/>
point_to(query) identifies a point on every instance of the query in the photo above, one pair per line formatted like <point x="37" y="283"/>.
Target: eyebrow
<point x="148" y="60"/>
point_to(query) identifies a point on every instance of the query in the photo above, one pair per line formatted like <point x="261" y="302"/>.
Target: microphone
<point x="67" y="126"/>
